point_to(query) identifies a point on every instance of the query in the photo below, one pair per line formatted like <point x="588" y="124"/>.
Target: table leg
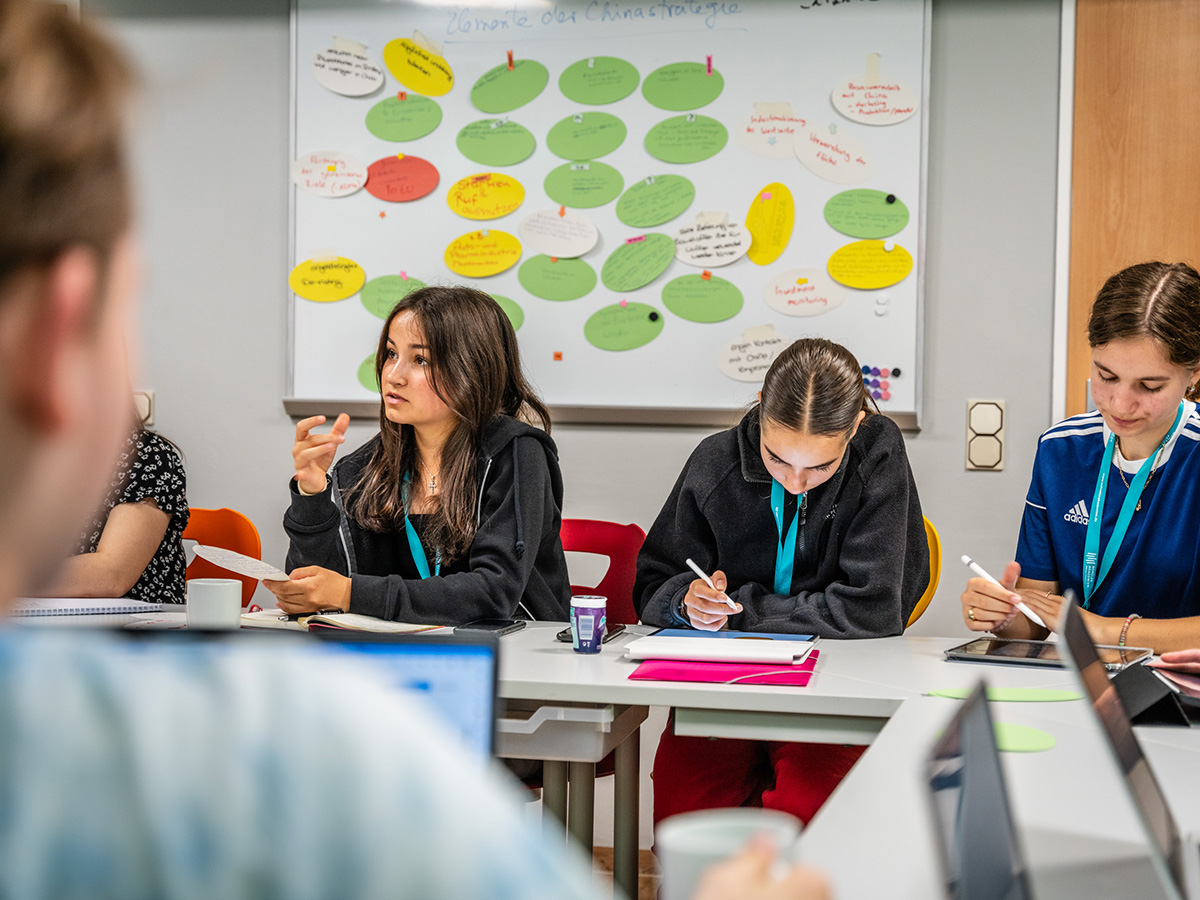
<point x="554" y="797"/>
<point x="626" y="814"/>
<point x="581" y="815"/>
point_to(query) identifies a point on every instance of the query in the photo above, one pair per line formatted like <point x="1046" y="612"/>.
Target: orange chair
<point x="225" y="528"/>
<point x="620" y="543"/>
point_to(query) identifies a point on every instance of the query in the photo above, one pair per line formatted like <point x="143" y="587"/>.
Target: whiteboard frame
<point x="611" y="415"/>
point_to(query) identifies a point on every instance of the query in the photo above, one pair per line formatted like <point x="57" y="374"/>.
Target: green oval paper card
<point x="623" y="326"/>
<point x="637" y="262"/>
<point x="864" y="213"/>
<point x="380" y="294"/>
<point x="556" y="278"/>
<point x="597" y="80"/>
<point x="655" y="200"/>
<point x="683" y="85"/>
<point x="587" y="135"/>
<point x="700" y="299"/>
<point x="495" y="142"/>
<point x="583" y="185"/>
<point x="393" y="119"/>
<point x="686" y="139"/>
<point x="502" y="90"/>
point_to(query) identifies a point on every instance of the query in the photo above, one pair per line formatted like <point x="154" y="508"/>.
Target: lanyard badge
<point x="785" y="550"/>
<point x="1092" y="577"/>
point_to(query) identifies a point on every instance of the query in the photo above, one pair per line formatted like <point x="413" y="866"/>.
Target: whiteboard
<point x="765" y="51"/>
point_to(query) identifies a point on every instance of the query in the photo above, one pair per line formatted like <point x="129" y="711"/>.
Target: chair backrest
<point x="620" y="543"/>
<point x="225" y="528"/>
<point x="935" y="572"/>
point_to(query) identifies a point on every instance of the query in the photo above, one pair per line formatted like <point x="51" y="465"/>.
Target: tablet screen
<point x="1038" y="653"/>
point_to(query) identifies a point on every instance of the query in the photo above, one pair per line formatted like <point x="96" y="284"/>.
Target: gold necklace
<point x="1153" y="469"/>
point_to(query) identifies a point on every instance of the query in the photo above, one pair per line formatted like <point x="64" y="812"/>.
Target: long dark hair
<point x="816" y="387"/>
<point x="1156" y="300"/>
<point x="475" y="368"/>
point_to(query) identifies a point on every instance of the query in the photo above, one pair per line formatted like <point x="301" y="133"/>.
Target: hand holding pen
<point x="980" y="611"/>
<point x="706" y="604"/>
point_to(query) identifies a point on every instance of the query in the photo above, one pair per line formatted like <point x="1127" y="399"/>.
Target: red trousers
<point x="692" y="773"/>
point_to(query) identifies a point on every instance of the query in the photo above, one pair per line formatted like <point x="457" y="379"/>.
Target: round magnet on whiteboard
<point x="882" y="300"/>
<point x="876" y="394"/>
<point x="883" y="384"/>
<point x="885" y="372"/>
<point x="891" y="198"/>
<point x="889" y="246"/>
<point x="881" y="310"/>
<point x="895" y="372"/>
<point x="884" y="395"/>
<point x="874" y="370"/>
<point x="653" y="317"/>
<point x="866" y="370"/>
<point x="874" y="382"/>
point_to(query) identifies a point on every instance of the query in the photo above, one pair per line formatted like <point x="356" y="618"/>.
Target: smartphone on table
<point x="495" y="626"/>
<point x="610" y="632"/>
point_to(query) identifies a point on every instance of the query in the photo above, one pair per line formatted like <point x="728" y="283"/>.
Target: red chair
<point x="620" y="543"/>
<point x="225" y="528"/>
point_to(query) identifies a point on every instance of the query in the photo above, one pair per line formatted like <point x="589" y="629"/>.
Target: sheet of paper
<point x="485" y="195"/>
<point x="870" y="265"/>
<point x="833" y="154"/>
<point x="327" y="280"/>
<point x="803" y="292"/>
<point x="711" y="240"/>
<point x="393" y="119"/>
<point x="495" y="142"/>
<point x="558" y="278"/>
<point x="586" y="135"/>
<point x="623" y="326"/>
<point x="583" y="185"/>
<point x="240" y="563"/>
<point x="558" y="232"/>
<point x="503" y="89"/>
<point x="864" y="213"/>
<point x="872" y="99"/>
<point x="478" y="254"/>
<point x="329" y="173"/>
<point x="682" y="86"/>
<point x="401" y="178"/>
<point x="597" y="80"/>
<point x="637" y="262"/>
<point x="418" y="68"/>
<point x="700" y="299"/>
<point x="771" y="130"/>
<point x="654" y="200"/>
<point x="748" y="358"/>
<point x="686" y="139"/>
<point x="345" y="68"/>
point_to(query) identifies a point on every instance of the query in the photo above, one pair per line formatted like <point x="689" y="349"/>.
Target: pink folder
<point x="727" y="673"/>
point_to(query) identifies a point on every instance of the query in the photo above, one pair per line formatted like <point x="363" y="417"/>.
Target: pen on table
<point x="292" y="617"/>
<point x="1029" y="613"/>
<point x="699" y="571"/>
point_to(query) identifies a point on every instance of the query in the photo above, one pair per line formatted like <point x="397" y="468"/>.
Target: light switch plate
<point x="985" y="435"/>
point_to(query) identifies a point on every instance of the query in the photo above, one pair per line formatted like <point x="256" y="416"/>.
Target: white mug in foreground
<point x="689" y="843"/>
<point x="214" y="603"/>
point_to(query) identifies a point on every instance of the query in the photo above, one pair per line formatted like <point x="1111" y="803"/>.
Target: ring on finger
<point x="971" y="613"/>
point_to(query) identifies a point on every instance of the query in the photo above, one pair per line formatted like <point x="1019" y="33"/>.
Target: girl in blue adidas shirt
<point x="1113" y="508"/>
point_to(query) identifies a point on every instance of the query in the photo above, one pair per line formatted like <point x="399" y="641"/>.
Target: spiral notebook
<point x="81" y="606"/>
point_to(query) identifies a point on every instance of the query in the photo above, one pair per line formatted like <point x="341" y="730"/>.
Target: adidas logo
<point x="1077" y="513"/>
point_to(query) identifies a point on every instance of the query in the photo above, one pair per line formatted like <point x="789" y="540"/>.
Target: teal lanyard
<point x="414" y="543"/>
<point x="785" y="550"/>
<point x="1091" y="544"/>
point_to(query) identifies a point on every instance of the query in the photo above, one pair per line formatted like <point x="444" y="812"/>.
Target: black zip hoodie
<point x="514" y="568"/>
<point x="862" y="560"/>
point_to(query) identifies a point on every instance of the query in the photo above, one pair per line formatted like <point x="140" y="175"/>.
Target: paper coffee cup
<point x="687" y="844"/>
<point x="588" y="619"/>
<point x="214" y="603"/>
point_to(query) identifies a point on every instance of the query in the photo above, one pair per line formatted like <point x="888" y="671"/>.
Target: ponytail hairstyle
<point x="815" y="387"/>
<point x="1156" y="300"/>
<point x="475" y="368"/>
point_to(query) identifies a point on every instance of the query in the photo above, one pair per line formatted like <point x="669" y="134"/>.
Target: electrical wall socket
<point x="144" y="401"/>
<point x="985" y="435"/>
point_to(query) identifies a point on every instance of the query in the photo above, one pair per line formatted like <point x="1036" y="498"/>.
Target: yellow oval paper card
<point x="478" y="254"/>
<point x="417" y="68"/>
<point x="327" y="280"/>
<point x="489" y="195"/>
<point x="769" y="222"/>
<point x="870" y="265"/>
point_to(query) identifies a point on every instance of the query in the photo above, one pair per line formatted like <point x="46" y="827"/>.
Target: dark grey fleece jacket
<point x="514" y="568"/>
<point x="862" y="561"/>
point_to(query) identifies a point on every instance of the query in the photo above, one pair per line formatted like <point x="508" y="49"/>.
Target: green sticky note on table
<point x="864" y="213"/>
<point x="495" y="142"/>
<point x="623" y="326"/>
<point x="686" y="139"/>
<point x="502" y="90"/>
<point x="1013" y="738"/>
<point x="655" y="200"/>
<point x="393" y="119"/>
<point x="512" y="309"/>
<point x="637" y="262"/>
<point x="380" y="294"/>
<point x="1012" y="695"/>
<point x="700" y="299"/>
<point x="682" y="85"/>
<point x="556" y="279"/>
<point x="583" y="185"/>
<point x="588" y="135"/>
<point x="597" y="80"/>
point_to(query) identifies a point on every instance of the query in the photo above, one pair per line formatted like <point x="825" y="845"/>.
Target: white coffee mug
<point x="687" y="844"/>
<point x="214" y="603"/>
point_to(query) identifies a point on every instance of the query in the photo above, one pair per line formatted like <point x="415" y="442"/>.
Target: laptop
<point x="456" y="672"/>
<point x="980" y="855"/>
<point x="1080" y="655"/>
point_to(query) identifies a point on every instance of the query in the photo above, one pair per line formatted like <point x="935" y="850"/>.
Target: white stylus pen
<point x="699" y="571"/>
<point x="1029" y="613"/>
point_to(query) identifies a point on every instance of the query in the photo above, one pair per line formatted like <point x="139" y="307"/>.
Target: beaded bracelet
<point x="1125" y="628"/>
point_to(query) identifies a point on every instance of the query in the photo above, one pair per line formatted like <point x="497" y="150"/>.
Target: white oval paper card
<point x="558" y="232"/>
<point x="803" y="292"/>
<point x="749" y="357"/>
<point x="345" y="68"/>
<point x="329" y="173"/>
<point x="711" y="240"/>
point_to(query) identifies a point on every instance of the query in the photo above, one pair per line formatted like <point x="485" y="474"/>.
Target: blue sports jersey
<point x="1157" y="570"/>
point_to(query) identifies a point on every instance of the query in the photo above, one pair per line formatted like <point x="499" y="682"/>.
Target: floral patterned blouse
<point x="149" y="469"/>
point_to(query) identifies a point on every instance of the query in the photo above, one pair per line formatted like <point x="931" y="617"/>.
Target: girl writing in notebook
<point x="452" y="512"/>
<point x="1112" y="507"/>
<point x="807" y="518"/>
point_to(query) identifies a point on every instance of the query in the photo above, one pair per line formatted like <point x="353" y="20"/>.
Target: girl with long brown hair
<point x="807" y="516"/>
<point x="1115" y="495"/>
<point x="452" y="512"/>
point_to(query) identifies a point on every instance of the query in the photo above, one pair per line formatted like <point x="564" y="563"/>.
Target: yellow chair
<point x="225" y="528"/>
<point x="935" y="572"/>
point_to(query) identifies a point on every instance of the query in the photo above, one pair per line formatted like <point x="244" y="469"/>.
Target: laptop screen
<point x="1080" y="653"/>
<point x="981" y="857"/>
<point x="455" y="673"/>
